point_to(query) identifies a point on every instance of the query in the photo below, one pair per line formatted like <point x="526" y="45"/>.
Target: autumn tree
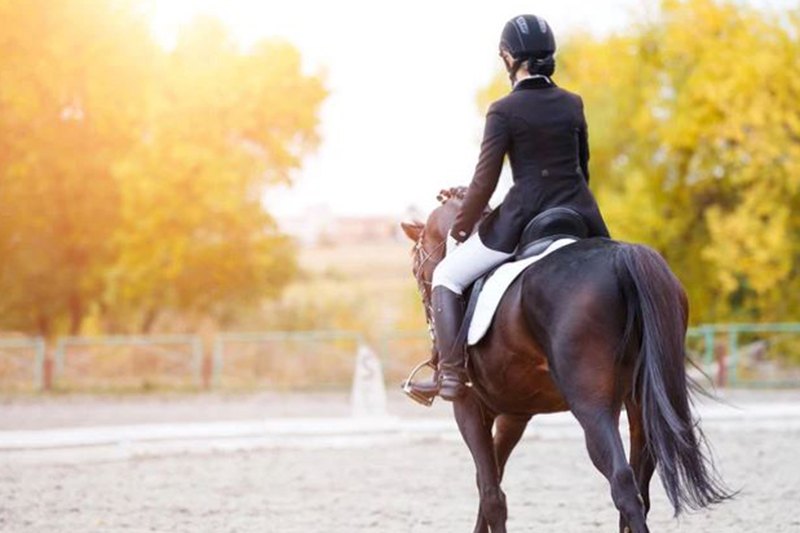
<point x="223" y="125"/>
<point x="73" y="85"/>
<point x="695" y="141"/>
<point x="132" y="177"/>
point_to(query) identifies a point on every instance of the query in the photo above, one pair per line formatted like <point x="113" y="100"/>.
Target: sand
<point x="383" y="486"/>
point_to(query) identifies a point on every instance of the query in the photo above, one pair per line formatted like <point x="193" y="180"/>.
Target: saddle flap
<point x="486" y="299"/>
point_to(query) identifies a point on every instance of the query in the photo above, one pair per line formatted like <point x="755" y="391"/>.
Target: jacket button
<point x="545" y="172"/>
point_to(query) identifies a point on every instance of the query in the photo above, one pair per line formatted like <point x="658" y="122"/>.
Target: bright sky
<point x="401" y="121"/>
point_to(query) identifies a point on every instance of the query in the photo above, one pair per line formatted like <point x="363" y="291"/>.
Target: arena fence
<point x="285" y="360"/>
<point x="733" y="355"/>
<point x="128" y="362"/>
<point x="22" y="364"/>
<point x="749" y="355"/>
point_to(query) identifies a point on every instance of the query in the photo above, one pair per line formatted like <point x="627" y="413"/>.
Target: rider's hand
<point x="452" y="244"/>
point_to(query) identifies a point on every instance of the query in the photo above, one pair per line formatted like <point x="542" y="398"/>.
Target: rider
<point x="543" y="130"/>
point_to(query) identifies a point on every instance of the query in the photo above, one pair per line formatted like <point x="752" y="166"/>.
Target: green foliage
<point x="131" y="178"/>
<point x="695" y="140"/>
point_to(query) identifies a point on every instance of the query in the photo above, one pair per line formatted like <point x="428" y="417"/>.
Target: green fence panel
<point x="775" y="361"/>
<point x="128" y="362"/>
<point x="22" y="364"/>
<point x="285" y="361"/>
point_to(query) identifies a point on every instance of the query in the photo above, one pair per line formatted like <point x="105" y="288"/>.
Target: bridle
<point x="425" y="287"/>
<point x="421" y="257"/>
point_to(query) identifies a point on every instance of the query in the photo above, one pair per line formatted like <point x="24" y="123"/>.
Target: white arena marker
<point x="368" y="397"/>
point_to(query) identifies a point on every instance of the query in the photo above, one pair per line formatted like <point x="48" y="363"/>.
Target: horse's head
<point x="430" y="238"/>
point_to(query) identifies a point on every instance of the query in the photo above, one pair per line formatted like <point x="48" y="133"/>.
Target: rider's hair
<point x="545" y="66"/>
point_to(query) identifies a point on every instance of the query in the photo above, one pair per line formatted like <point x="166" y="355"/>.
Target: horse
<point x="594" y="326"/>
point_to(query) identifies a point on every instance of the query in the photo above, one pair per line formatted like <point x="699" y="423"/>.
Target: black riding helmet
<point x="529" y="38"/>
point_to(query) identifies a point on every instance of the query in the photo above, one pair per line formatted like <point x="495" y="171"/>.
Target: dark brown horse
<point x="594" y="326"/>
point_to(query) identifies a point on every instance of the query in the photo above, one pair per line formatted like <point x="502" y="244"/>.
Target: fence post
<point x="197" y="360"/>
<point x="39" y="370"/>
<point x="58" y="358"/>
<point x="216" y="361"/>
<point x="49" y="366"/>
<point x="708" y="335"/>
<point x="733" y="353"/>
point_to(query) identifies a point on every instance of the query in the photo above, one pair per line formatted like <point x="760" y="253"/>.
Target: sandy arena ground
<point x="381" y="485"/>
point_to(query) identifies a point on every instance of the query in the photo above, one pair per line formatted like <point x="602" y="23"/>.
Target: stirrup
<point x="417" y="396"/>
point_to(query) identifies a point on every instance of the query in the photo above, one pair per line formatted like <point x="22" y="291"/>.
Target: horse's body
<point x="532" y="314"/>
<point x="592" y="327"/>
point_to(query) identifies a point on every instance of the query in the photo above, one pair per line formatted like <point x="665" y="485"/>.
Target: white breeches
<point x="466" y="263"/>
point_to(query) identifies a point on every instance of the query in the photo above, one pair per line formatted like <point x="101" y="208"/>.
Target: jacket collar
<point x="537" y="82"/>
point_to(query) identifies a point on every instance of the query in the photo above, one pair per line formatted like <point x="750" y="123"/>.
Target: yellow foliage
<point x="131" y="178"/>
<point x="695" y="140"/>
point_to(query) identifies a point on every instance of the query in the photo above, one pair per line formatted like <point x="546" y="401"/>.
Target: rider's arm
<point x="583" y="143"/>
<point x="496" y="139"/>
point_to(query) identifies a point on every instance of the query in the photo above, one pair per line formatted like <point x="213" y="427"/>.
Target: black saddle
<point x="547" y="227"/>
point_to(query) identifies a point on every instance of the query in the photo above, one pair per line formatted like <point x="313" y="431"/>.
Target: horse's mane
<point x="453" y="192"/>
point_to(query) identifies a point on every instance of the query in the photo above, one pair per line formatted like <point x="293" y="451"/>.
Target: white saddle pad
<point x="496" y="286"/>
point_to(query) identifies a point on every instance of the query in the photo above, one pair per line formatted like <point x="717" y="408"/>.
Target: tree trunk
<point x="75" y="314"/>
<point x="149" y="320"/>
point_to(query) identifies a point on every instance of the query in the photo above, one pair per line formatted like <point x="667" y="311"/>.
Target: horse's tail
<point x="656" y="322"/>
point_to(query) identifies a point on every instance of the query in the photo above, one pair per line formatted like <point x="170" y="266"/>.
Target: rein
<point x="421" y="257"/>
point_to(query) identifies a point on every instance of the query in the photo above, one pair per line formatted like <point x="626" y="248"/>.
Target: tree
<point x="695" y="141"/>
<point x="71" y="104"/>
<point x="132" y="177"/>
<point x="224" y="125"/>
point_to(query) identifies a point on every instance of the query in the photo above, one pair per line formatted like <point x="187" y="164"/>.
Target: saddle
<point x="539" y="234"/>
<point x="547" y="227"/>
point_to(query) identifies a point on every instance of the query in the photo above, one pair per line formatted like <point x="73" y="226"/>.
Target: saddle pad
<point x="495" y="287"/>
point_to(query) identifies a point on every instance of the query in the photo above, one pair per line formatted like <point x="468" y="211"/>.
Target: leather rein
<point x="421" y="257"/>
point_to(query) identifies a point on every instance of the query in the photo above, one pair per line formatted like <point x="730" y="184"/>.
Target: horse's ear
<point x="412" y="229"/>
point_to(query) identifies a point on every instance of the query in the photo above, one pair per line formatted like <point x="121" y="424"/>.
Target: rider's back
<point x="546" y="125"/>
<point x="543" y="130"/>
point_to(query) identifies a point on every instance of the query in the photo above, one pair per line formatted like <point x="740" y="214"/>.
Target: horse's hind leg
<point x="642" y="462"/>
<point x="508" y="431"/>
<point x="476" y="429"/>
<point x="601" y="429"/>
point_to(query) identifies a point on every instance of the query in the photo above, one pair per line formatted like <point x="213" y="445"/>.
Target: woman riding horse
<point x="594" y="327"/>
<point x="543" y="130"/>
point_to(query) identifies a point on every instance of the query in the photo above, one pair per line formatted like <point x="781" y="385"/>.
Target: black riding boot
<point x="448" y="313"/>
<point x="448" y="380"/>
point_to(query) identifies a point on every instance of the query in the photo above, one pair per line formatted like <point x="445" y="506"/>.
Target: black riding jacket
<point x="543" y="130"/>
